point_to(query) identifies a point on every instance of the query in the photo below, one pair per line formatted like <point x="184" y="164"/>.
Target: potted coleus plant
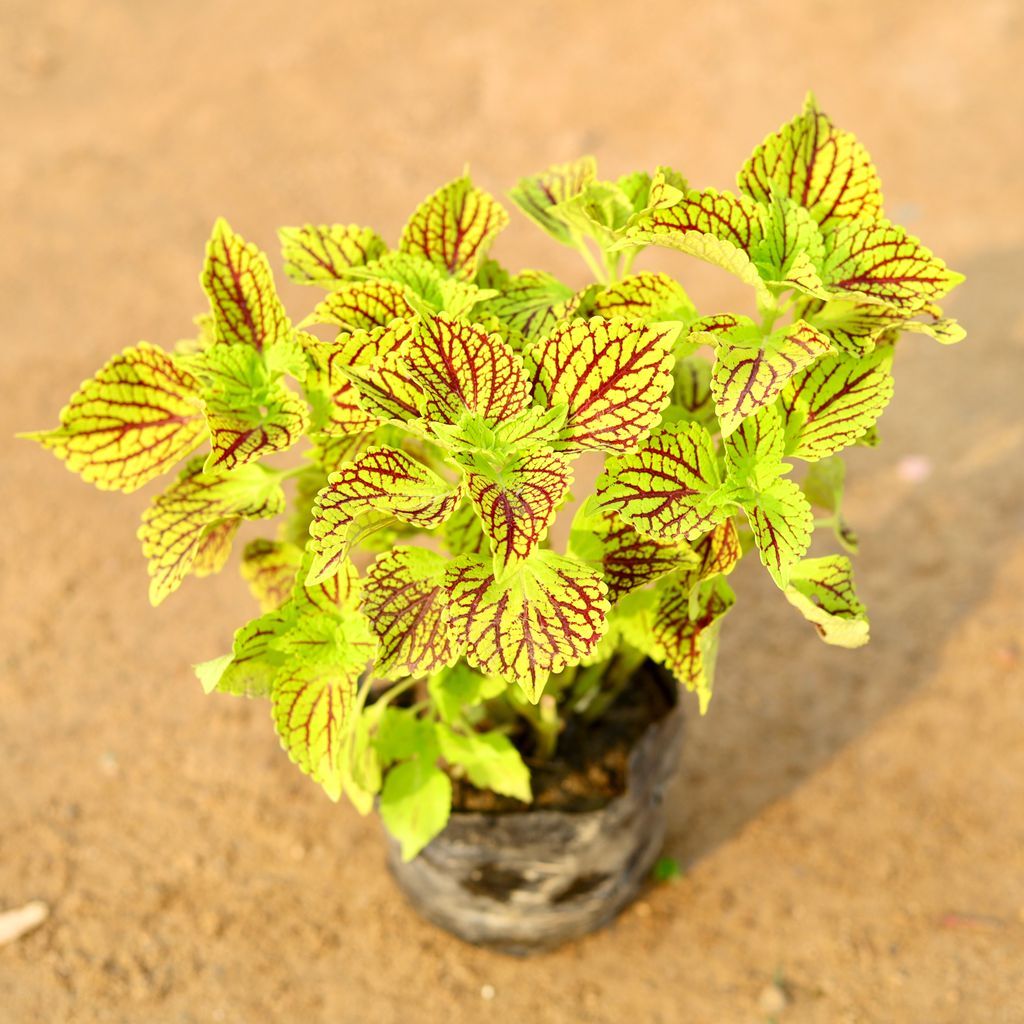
<point x="421" y="642"/>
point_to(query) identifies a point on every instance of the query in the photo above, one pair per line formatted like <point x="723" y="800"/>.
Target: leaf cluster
<point x="415" y="617"/>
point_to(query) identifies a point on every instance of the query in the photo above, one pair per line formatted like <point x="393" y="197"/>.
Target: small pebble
<point x="15" y="923"/>
<point x="487" y="992"/>
<point x="773" y="999"/>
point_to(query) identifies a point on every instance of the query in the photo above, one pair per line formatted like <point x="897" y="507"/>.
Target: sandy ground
<point x="852" y="824"/>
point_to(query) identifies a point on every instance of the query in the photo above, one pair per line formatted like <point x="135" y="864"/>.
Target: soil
<point x="590" y="765"/>
<point x="851" y="824"/>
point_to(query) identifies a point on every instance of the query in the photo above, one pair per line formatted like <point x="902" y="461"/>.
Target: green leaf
<point x="821" y="167"/>
<point x="614" y="377"/>
<point x="549" y="613"/>
<point x="321" y="253"/>
<point x="250" y="413"/>
<point x="489" y="760"/>
<point x="793" y="248"/>
<point x="828" y="406"/>
<point x="384" y="481"/>
<point x="130" y="423"/>
<point x="537" y="196"/>
<point x="402" y="734"/>
<point x="782" y="521"/>
<point x="461" y="368"/>
<point x="374" y="363"/>
<point x="751" y="370"/>
<point x="173" y="526"/>
<point x="822" y="590"/>
<point x="240" y="286"/>
<point x="415" y="804"/>
<point x="460" y="687"/>
<point x="517" y="503"/>
<point x="464" y="533"/>
<point x="454" y="228"/>
<point x="668" y="488"/>
<point x="691" y="392"/>
<point x="407" y="604"/>
<point x="823" y="485"/>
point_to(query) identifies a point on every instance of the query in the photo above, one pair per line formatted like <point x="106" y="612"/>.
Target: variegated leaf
<point x="648" y="297"/>
<point x="685" y="631"/>
<point x="407" y="604"/>
<point x="362" y="306"/>
<point x="751" y="370"/>
<point x="782" y="521"/>
<point x="240" y="286"/>
<point x="614" y="376"/>
<point x="822" y="590"/>
<point x="320" y="254"/>
<point x="173" y="526"/>
<point x="461" y="368"/>
<point x="271" y="567"/>
<point x="830" y="405"/>
<point x="548" y="614"/>
<point x="877" y="261"/>
<point x="454" y="228"/>
<point x="517" y="504"/>
<point x="131" y="422"/>
<point x="536" y="196"/>
<point x="821" y="167"/>
<point x="668" y="488"/>
<point x="381" y="484"/>
<point x="250" y="412"/>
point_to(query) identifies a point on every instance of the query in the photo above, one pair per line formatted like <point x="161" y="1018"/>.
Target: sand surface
<point x="852" y="824"/>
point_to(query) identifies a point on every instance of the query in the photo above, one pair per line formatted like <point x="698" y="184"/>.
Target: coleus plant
<point x="414" y="613"/>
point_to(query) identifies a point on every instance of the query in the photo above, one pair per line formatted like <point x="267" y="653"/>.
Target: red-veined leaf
<point x="321" y="253"/>
<point x="131" y="422"/>
<point x="614" y="376"/>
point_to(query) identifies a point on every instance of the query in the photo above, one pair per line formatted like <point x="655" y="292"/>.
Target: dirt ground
<point x="851" y="823"/>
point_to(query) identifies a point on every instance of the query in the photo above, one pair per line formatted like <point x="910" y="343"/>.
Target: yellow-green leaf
<point x="667" y="488"/>
<point x="517" y="504"/>
<point x="751" y="370"/>
<point x="407" y="604"/>
<point x="532" y="304"/>
<point x="240" y="286"/>
<point x="828" y="406"/>
<point x="362" y="306"/>
<point x="782" y="521"/>
<point x="461" y="368"/>
<point x="251" y="413"/>
<point x="321" y="253"/>
<point x="685" y="631"/>
<point x="537" y="195"/>
<point x="131" y="422"/>
<point x="174" y="524"/>
<point x="822" y="590"/>
<point x="819" y="166"/>
<point x="381" y="484"/>
<point x="454" y="228"/>
<point x="648" y="297"/>
<point x="877" y="261"/>
<point x="549" y="613"/>
<point x="614" y="376"/>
